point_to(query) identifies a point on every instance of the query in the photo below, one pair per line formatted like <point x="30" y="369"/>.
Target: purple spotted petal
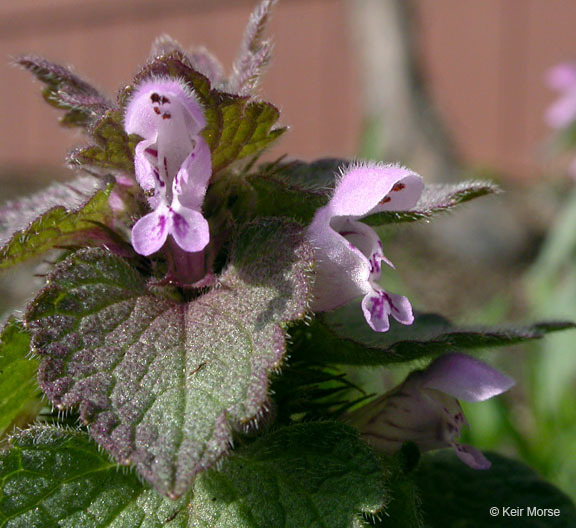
<point x="465" y="378"/>
<point x="165" y="112"/>
<point x="143" y="168"/>
<point x="147" y="174"/>
<point x="471" y="456"/>
<point x="367" y="188"/>
<point x="379" y="305"/>
<point x="349" y="253"/>
<point x="151" y="231"/>
<point x="365" y="240"/>
<point x="192" y="179"/>
<point x="189" y="229"/>
<point x="154" y="100"/>
<point x="174" y="162"/>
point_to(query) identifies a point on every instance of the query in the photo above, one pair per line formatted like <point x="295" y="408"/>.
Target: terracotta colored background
<point x="485" y="61"/>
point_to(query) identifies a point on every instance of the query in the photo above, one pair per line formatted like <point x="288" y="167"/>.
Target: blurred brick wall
<point x="310" y="78"/>
<point x="485" y="61"/>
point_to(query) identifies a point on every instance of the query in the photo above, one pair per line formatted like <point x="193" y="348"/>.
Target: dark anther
<point x="385" y="200"/>
<point x="155" y="98"/>
<point x="157" y="110"/>
<point x="166" y="115"/>
<point x="399" y="186"/>
<point x="165" y="99"/>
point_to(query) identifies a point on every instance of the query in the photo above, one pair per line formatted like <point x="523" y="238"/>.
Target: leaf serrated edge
<point x="390" y="354"/>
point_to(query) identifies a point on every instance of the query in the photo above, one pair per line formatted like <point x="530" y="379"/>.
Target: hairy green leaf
<point x="456" y="496"/>
<point x="54" y="477"/>
<point x="163" y="382"/>
<point x="403" y="508"/>
<point x="343" y="336"/>
<point x="19" y="393"/>
<point x="56" y="227"/>
<point x="295" y="189"/>
<point x="317" y="475"/>
<point x="17" y="215"/>
<point x="114" y="149"/>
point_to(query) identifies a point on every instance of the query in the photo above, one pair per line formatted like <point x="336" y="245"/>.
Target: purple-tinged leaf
<point x="163" y="383"/>
<point x="165" y="45"/>
<point x="207" y="64"/>
<point x="17" y="215"/>
<point x="65" y="90"/>
<point x="199" y="58"/>
<point x="237" y="127"/>
<point x="81" y="221"/>
<point x="59" y="226"/>
<point x="254" y="52"/>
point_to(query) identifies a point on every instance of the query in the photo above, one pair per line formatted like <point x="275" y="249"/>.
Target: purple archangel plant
<point x="425" y="410"/>
<point x="201" y="312"/>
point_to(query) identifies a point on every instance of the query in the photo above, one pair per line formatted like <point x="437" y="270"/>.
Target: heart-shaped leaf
<point x="162" y="383"/>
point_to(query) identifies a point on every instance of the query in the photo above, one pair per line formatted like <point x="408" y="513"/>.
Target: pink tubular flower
<point x="424" y="408"/>
<point x="173" y="165"/>
<point x="562" y="78"/>
<point x="349" y="253"/>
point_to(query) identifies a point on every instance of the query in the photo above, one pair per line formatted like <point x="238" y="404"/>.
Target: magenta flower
<point x="562" y="112"/>
<point x="349" y="253"/>
<point x="424" y="408"/>
<point x="172" y="163"/>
